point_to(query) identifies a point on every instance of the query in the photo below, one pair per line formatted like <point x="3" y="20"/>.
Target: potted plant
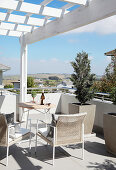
<point x="109" y="126"/>
<point x="33" y="94"/>
<point x="83" y="80"/>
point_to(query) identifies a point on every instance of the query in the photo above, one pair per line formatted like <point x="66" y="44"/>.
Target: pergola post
<point x="23" y="73"/>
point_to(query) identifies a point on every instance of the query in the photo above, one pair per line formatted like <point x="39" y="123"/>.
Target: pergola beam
<point x="96" y="10"/>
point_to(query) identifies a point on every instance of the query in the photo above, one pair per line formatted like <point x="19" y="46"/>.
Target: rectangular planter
<point x="89" y="119"/>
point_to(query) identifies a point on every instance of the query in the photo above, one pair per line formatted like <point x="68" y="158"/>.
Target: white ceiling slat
<point x="13" y="27"/>
<point x="21" y="19"/>
<point x="10" y="33"/>
<point x="79" y="2"/>
<point x="95" y="11"/>
<point x="30" y="8"/>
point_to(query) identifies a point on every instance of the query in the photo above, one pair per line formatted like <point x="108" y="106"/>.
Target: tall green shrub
<point x="113" y="95"/>
<point x="30" y="82"/>
<point x="82" y="78"/>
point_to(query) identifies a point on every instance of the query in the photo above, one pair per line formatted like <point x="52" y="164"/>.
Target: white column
<point x="23" y="73"/>
<point x="1" y="77"/>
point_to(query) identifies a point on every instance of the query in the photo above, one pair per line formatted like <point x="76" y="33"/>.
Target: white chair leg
<point x="7" y="155"/>
<point x="53" y="154"/>
<point x="36" y="144"/>
<point x="30" y="143"/>
<point x="83" y="150"/>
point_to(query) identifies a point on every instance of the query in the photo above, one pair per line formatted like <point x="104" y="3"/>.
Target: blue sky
<point x="54" y="54"/>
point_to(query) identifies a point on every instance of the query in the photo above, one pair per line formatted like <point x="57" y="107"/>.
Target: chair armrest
<point x="14" y="124"/>
<point x="48" y="124"/>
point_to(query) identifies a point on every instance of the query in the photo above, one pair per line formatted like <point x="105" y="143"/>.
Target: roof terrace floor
<point x="66" y="158"/>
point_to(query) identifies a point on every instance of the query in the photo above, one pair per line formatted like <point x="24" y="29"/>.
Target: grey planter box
<point x="89" y="119"/>
<point x="109" y="126"/>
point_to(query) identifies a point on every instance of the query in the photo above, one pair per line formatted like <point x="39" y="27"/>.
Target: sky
<point x="53" y="55"/>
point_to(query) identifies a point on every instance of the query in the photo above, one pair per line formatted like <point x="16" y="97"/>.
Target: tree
<point x="53" y="78"/>
<point x="113" y="95"/>
<point x="82" y="78"/>
<point x="30" y="82"/>
<point x="110" y="71"/>
<point x="7" y="86"/>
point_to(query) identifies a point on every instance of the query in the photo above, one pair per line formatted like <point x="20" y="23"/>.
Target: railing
<point x="102" y="96"/>
<point x="38" y="90"/>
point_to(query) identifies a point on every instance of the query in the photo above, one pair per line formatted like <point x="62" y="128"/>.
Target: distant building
<point x="3" y="68"/>
<point x="61" y="84"/>
<point x="16" y="84"/>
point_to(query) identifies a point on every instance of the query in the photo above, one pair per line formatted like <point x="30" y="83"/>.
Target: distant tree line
<point x="53" y="78"/>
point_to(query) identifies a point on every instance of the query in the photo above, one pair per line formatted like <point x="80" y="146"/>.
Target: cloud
<point x="91" y="57"/>
<point x="106" y="26"/>
<point x="108" y="58"/>
<point x="50" y="66"/>
<point x="73" y="41"/>
<point x="43" y="61"/>
<point x="54" y="60"/>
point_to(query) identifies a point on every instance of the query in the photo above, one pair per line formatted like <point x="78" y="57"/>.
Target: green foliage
<point x="33" y="94"/>
<point x="108" y="81"/>
<point x="110" y="72"/>
<point x="82" y="78"/>
<point x="30" y="82"/>
<point x="8" y="86"/>
<point x="113" y="95"/>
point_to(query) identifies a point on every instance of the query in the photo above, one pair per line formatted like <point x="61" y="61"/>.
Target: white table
<point x="37" y="107"/>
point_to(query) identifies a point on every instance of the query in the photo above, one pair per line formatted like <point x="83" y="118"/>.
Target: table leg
<point x="27" y="119"/>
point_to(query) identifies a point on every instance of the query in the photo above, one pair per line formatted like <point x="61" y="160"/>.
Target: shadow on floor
<point x="21" y="156"/>
<point x="106" y="165"/>
<point x="45" y="152"/>
<point x="97" y="148"/>
<point x="93" y="147"/>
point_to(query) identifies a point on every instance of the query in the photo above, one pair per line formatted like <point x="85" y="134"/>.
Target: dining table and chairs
<point x="64" y="129"/>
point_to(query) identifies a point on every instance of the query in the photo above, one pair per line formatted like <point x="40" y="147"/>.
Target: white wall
<point x="101" y="107"/>
<point x="65" y="100"/>
<point x="8" y="104"/>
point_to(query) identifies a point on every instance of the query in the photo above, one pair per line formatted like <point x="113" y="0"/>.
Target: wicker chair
<point x="69" y="129"/>
<point x="5" y="138"/>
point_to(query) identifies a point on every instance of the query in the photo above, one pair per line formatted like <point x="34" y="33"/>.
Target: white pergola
<point x="50" y="22"/>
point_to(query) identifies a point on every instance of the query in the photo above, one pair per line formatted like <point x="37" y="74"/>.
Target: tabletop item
<point x="42" y="98"/>
<point x="33" y="94"/>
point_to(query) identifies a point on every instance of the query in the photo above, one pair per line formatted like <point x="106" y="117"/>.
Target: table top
<point x="31" y="105"/>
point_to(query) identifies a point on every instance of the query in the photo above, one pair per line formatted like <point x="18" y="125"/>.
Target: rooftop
<point x="4" y="67"/>
<point x="111" y="53"/>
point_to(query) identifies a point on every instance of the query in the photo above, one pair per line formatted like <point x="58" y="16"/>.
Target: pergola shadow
<point x="21" y="156"/>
